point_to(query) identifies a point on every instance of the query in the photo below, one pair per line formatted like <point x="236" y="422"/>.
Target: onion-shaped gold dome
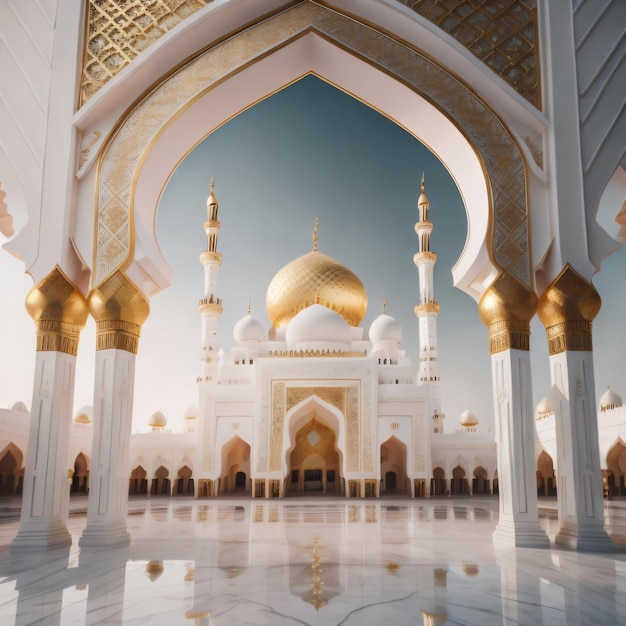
<point x="315" y="278"/>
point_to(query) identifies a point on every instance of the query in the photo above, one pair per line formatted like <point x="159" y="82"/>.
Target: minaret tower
<point x="210" y="306"/>
<point x="427" y="311"/>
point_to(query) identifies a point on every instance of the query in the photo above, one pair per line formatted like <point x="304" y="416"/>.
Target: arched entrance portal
<point x="235" y="476"/>
<point x="313" y="463"/>
<point x="546" y="478"/>
<point x="616" y="466"/>
<point x="11" y="476"/>
<point x="393" y="467"/>
<point x="80" y="478"/>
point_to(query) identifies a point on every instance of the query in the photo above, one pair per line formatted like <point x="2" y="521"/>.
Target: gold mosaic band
<point x="59" y="311"/>
<point x="509" y="335"/>
<point x="57" y="336"/>
<point x="117" y="335"/>
<point x="574" y="335"/>
<point x="566" y="310"/>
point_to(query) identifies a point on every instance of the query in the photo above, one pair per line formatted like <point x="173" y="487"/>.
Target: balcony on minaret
<point x="426" y="308"/>
<point x="210" y="305"/>
<point x="209" y="256"/>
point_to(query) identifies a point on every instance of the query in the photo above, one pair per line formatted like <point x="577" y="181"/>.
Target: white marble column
<point x="507" y="307"/>
<point x="59" y="311"/>
<point x="567" y="309"/>
<point x="119" y="309"/>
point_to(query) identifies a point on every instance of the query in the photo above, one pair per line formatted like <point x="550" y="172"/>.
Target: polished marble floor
<point x="310" y="561"/>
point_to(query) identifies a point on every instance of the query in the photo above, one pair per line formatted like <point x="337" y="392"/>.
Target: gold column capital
<point x="120" y="309"/>
<point x="567" y="309"/>
<point x="59" y="311"/>
<point x="506" y="308"/>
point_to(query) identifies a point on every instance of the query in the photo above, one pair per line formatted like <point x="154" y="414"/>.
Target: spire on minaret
<point x="427" y="309"/>
<point x="317" y="223"/>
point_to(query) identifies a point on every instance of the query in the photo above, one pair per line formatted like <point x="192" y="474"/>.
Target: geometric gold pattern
<point x="123" y="154"/>
<point x="567" y="309"/>
<point x="502" y="34"/>
<point x="118" y="30"/>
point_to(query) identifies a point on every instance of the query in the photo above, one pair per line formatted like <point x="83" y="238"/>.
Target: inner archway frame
<point x="496" y="205"/>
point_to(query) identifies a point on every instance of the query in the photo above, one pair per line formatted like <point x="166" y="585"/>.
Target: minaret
<point x="210" y="306"/>
<point x="427" y="311"/>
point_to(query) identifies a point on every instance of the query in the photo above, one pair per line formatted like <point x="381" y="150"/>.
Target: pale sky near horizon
<point x="307" y="150"/>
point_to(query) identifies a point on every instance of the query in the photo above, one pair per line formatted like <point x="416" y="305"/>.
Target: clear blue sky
<point x="313" y="150"/>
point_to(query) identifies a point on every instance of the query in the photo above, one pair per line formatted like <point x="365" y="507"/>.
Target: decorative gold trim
<point x="506" y="308"/>
<point x="128" y="145"/>
<point x="59" y="311"/>
<point x="427" y="255"/>
<point x="286" y="354"/>
<point x="567" y="309"/>
<point x="422" y="310"/>
<point x="211" y="256"/>
<point x="120" y="309"/>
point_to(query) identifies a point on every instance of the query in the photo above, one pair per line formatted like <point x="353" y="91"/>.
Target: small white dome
<point x="544" y="407"/>
<point x="385" y="328"/>
<point x="84" y="415"/>
<point x="157" y="420"/>
<point x="19" y="406"/>
<point x="317" y="325"/>
<point x="248" y="329"/>
<point x="190" y="413"/>
<point x="609" y="400"/>
<point x="468" y="419"/>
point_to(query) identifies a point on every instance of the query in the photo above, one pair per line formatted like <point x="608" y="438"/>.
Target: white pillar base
<point x="593" y="539"/>
<point x="520" y="534"/>
<point x="41" y="536"/>
<point x="101" y="535"/>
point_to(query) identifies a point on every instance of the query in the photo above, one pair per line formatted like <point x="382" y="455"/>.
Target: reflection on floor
<point x="321" y="561"/>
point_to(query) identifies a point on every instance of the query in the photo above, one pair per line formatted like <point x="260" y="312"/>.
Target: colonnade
<point x="566" y="309"/>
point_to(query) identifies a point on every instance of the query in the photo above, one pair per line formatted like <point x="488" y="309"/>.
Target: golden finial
<point x="422" y="187"/>
<point x="384" y="306"/>
<point x="317" y="223"/>
<point x="212" y="183"/>
<point x="249" y="306"/>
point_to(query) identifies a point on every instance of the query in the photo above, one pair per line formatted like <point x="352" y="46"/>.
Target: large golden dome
<point x="315" y="278"/>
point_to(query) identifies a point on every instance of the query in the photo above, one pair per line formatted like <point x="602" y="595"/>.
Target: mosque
<point x="313" y="405"/>
<point x="524" y="103"/>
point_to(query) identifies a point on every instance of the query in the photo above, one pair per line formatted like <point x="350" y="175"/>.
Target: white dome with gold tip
<point x="468" y="419"/>
<point x="610" y="400"/>
<point x="385" y="328"/>
<point x="318" y="328"/>
<point x="157" y="420"/>
<point x="249" y="329"/>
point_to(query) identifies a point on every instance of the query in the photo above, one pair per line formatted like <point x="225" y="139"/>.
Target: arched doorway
<point x="458" y="483"/>
<point x="161" y="485"/>
<point x="235" y="474"/>
<point x="480" y="482"/>
<point x="138" y="484"/>
<point x="80" y="478"/>
<point x="313" y="463"/>
<point x="184" y="482"/>
<point x="438" y="485"/>
<point x="546" y="478"/>
<point x="11" y="476"/>
<point x="616" y="466"/>
<point x="393" y="467"/>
